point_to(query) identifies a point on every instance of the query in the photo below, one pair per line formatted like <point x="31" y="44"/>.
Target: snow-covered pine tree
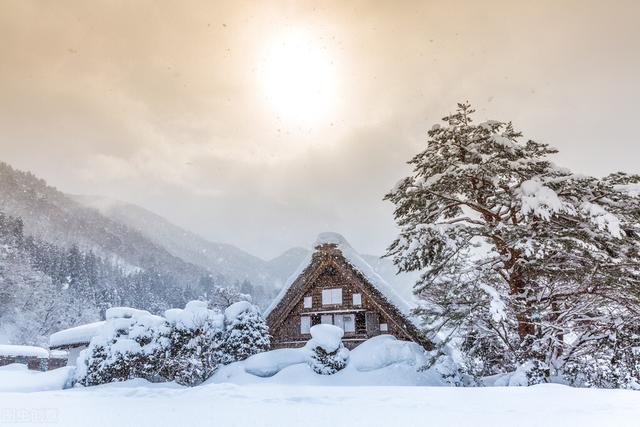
<point x="521" y="260"/>
<point x="246" y="332"/>
<point x="194" y="343"/>
<point x="327" y="354"/>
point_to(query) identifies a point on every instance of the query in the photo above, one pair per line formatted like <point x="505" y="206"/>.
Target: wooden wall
<point x="288" y="333"/>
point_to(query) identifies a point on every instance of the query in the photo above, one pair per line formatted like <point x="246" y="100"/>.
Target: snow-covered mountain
<point x="218" y="258"/>
<point x="53" y="216"/>
<point x="136" y="238"/>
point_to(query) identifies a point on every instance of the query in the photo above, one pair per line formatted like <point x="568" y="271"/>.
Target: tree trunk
<point x="523" y="308"/>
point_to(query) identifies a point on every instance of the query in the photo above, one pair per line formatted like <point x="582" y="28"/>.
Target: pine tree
<point x="246" y="332"/>
<point x="328" y="363"/>
<point x="517" y="253"/>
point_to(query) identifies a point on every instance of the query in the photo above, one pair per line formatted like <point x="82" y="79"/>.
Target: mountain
<point x="220" y="258"/>
<point x="284" y="265"/>
<point x="137" y="239"/>
<point x="217" y="258"/>
<point x="52" y="216"/>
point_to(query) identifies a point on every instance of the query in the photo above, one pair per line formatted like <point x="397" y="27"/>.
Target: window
<point x="326" y="319"/>
<point x="338" y="320"/>
<point x="305" y="324"/>
<point x="308" y="302"/>
<point x="357" y="299"/>
<point x="349" y="321"/>
<point x="332" y="296"/>
<point x="384" y="327"/>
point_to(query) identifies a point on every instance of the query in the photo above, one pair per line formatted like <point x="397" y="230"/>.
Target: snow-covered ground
<point x="138" y="403"/>
<point x="380" y="386"/>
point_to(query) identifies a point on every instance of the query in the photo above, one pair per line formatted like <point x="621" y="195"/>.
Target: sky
<point x="264" y="123"/>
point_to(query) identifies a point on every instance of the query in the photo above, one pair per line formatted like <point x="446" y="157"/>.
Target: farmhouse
<point x="336" y="286"/>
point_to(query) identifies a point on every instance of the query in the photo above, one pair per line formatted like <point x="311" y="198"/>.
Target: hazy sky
<point x="263" y="123"/>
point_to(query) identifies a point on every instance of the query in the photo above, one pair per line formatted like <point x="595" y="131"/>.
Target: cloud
<point x="161" y="104"/>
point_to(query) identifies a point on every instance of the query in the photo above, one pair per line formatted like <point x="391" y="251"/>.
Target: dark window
<point x="361" y="325"/>
<point x="373" y="323"/>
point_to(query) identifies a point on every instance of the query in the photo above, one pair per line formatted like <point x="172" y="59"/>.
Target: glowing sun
<point x="299" y="77"/>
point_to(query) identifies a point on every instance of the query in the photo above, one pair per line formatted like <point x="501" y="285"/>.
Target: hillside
<point x="52" y="216"/>
<point x="217" y="258"/>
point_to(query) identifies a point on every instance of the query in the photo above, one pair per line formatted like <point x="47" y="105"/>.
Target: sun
<point x="298" y="77"/>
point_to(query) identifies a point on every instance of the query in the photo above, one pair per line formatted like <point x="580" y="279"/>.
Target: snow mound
<point x="269" y="363"/>
<point x="125" y="313"/>
<point x="234" y="310"/>
<point x="23" y="350"/>
<point x="385" y="350"/>
<point x="17" y="378"/>
<point x="329" y="337"/>
<point x="194" y="313"/>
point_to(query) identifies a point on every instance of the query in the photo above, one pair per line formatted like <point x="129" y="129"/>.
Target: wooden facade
<point x="331" y="290"/>
<point x="38" y="361"/>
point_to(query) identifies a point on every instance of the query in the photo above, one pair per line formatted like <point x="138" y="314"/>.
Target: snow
<point x="234" y="310"/>
<point x="496" y="306"/>
<point x="194" y="313"/>
<point x="142" y="404"/>
<point x="58" y="354"/>
<point x="383" y="360"/>
<point x="539" y="199"/>
<point x="379" y="386"/>
<point x="269" y="363"/>
<point x="17" y="377"/>
<point x="359" y="264"/>
<point x="79" y="335"/>
<point x="385" y="350"/>
<point x="326" y="336"/>
<point x="125" y="313"/>
<point x="632" y="190"/>
<point x="603" y="219"/>
<point x="23" y="350"/>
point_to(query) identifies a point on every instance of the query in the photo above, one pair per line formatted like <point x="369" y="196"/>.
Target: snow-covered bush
<point x="193" y="342"/>
<point x="127" y="348"/>
<point x="328" y="354"/>
<point x="187" y="345"/>
<point x="246" y="332"/>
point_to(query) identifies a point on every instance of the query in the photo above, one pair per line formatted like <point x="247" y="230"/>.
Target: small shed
<point x="74" y="340"/>
<point x="36" y="358"/>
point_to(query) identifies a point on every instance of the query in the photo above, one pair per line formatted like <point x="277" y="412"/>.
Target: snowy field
<point x="138" y="403"/>
<point x="378" y="387"/>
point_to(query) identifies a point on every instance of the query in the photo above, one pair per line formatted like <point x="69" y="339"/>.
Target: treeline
<point x="45" y="287"/>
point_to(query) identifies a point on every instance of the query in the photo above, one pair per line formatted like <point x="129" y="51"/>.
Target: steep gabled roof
<point x="331" y="248"/>
<point x="357" y="262"/>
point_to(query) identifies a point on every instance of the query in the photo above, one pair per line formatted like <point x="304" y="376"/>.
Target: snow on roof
<point x="358" y="263"/>
<point x="78" y="335"/>
<point x="23" y="350"/>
